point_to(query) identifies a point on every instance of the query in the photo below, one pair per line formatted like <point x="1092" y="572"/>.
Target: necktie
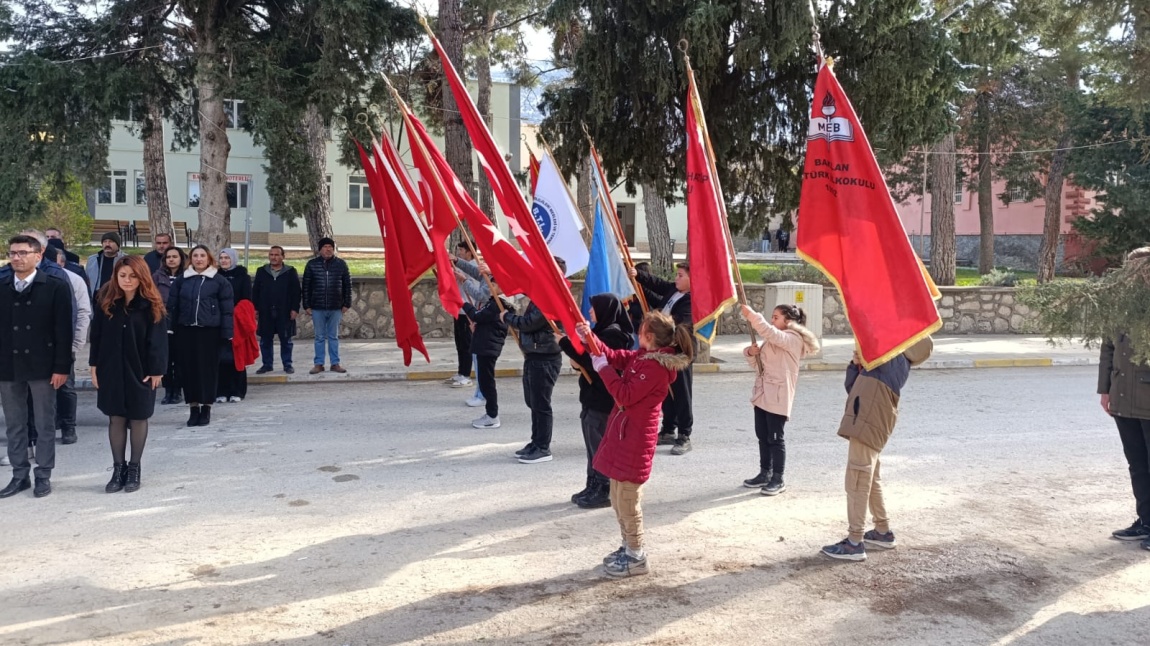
<point x="21" y="285"/>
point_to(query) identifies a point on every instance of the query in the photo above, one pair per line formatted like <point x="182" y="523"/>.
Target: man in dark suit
<point x="276" y="297"/>
<point x="675" y="299"/>
<point x="35" y="357"/>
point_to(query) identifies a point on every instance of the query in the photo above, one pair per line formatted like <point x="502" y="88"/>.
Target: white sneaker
<point x="235" y="400"/>
<point x="221" y="400"/>
<point x="486" y="422"/>
<point x="4" y="461"/>
<point x="459" y="381"/>
<point x="450" y="381"/>
<point x="476" y="402"/>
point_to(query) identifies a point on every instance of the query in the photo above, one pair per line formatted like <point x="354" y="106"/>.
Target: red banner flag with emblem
<point x="393" y="209"/>
<point x="712" y="277"/>
<point x="548" y="289"/>
<point x="849" y="229"/>
<point x="532" y="171"/>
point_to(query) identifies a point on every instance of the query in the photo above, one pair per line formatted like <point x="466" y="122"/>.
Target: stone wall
<point x="965" y="310"/>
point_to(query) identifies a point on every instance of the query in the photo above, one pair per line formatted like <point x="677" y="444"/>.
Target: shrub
<point x="999" y="278"/>
<point x="803" y="273"/>
<point x="66" y="209"/>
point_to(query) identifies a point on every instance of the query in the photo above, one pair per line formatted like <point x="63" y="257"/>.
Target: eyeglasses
<point x="20" y="254"/>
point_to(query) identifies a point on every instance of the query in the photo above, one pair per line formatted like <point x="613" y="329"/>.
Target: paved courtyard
<point x="371" y="513"/>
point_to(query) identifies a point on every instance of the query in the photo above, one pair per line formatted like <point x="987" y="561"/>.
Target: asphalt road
<point x="373" y="514"/>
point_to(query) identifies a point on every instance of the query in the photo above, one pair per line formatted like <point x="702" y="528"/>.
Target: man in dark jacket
<point x="326" y="297"/>
<point x="542" y="360"/>
<point x="675" y="299"/>
<point x="276" y="297"/>
<point x="37" y="308"/>
<point x="55" y="234"/>
<point x="161" y="242"/>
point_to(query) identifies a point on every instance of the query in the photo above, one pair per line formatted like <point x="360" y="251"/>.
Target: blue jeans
<point x="326" y="324"/>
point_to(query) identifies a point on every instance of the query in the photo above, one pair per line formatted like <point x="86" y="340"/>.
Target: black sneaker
<point x="682" y="445"/>
<point x="774" y="488"/>
<point x="290" y="370"/>
<point x="525" y="450"/>
<point x="846" y="551"/>
<point x="536" y="456"/>
<point x="1136" y="532"/>
<point x="68" y="436"/>
<point x="666" y="438"/>
<point x="758" y="481"/>
<point x="264" y="370"/>
<point x="882" y="541"/>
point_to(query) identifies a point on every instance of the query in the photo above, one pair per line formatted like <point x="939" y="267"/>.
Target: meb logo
<point x="830" y="127"/>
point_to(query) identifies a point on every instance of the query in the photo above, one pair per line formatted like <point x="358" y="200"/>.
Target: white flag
<point x="558" y="218"/>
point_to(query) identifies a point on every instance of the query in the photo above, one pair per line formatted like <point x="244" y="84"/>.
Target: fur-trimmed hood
<point x="668" y="358"/>
<point x="810" y="341"/>
<point x="210" y="272"/>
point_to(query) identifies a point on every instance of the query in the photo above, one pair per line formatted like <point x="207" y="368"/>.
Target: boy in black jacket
<point x="488" y="336"/>
<point x="677" y="409"/>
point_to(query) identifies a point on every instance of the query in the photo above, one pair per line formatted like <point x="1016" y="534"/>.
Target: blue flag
<point x="606" y="272"/>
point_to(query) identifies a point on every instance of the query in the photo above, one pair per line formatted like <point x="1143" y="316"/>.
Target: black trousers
<point x="463" y="344"/>
<point x="199" y="362"/>
<point x="232" y="382"/>
<point x="772" y="446"/>
<point x="594" y="426"/>
<point x="485" y="373"/>
<point x="171" y="377"/>
<point x="539" y="374"/>
<point x="677" y="410"/>
<point x="1135" y="435"/>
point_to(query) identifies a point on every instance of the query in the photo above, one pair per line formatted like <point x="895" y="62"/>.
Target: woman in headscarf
<point x="233" y="384"/>
<point x="613" y="327"/>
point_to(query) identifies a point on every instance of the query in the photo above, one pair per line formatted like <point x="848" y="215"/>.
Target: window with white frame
<point x="238" y="194"/>
<point x="141" y="189"/>
<point x="358" y="195"/>
<point x="1017" y="195"/>
<point x="236" y="112"/>
<point x="194" y="190"/>
<point x="327" y="191"/>
<point x="114" y="190"/>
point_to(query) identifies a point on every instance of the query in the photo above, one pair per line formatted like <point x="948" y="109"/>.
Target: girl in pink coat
<point x="638" y="381"/>
<point x="785" y="342"/>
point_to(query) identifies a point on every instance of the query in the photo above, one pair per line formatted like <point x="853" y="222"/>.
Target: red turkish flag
<point x="548" y="288"/>
<point x="712" y="278"/>
<point x="449" y="199"/>
<point x="393" y="210"/>
<point x="533" y="172"/>
<point x="851" y="232"/>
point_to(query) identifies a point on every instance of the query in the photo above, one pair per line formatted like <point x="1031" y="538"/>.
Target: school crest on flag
<point x="559" y="221"/>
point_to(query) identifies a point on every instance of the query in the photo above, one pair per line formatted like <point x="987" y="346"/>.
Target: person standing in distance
<point x="161" y="242"/>
<point x="326" y="298"/>
<point x="175" y="261"/>
<point x="35" y="314"/>
<point x="127" y="359"/>
<point x="100" y="265"/>
<point x="276" y="296"/>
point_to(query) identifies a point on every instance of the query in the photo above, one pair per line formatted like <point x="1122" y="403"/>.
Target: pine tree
<point x="754" y="68"/>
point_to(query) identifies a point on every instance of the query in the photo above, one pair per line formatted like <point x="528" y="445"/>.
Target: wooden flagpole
<point x="443" y="193"/>
<point x="700" y="119"/>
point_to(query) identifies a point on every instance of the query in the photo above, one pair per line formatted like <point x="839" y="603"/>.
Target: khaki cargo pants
<point x="625" y="499"/>
<point x="864" y="488"/>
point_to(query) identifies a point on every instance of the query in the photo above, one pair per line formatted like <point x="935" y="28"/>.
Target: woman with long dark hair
<point x="200" y="306"/>
<point x="172" y="264"/>
<point x="128" y="357"/>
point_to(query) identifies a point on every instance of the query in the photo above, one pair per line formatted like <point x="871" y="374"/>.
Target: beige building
<point x="122" y="197"/>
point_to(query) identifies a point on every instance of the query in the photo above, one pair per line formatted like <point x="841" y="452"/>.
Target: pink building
<point x="1017" y="225"/>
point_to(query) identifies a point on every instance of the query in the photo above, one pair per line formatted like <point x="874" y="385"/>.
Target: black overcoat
<point x="275" y="298"/>
<point x="126" y="347"/>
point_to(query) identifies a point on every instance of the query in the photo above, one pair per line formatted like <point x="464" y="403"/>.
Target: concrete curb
<point x="700" y="369"/>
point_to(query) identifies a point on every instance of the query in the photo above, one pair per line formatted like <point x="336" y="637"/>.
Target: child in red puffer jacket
<point x="638" y="381"/>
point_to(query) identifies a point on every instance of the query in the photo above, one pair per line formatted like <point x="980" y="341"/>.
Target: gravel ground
<point x="373" y="514"/>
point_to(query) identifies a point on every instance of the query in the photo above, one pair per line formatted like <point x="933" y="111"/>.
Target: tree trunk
<point x="1052" y="222"/>
<point x="985" y="188"/>
<point x="942" y="176"/>
<point x="658" y="233"/>
<point x="483" y="104"/>
<point x="215" y="226"/>
<point x="317" y="218"/>
<point x="155" y="174"/>
<point x="456" y="142"/>
<point x="584" y="200"/>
